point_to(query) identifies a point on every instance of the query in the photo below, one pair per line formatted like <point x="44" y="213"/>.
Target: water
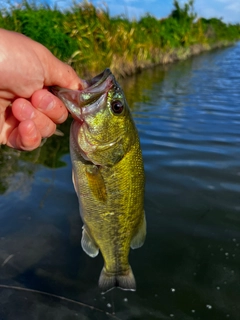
<point x="188" y="116"/>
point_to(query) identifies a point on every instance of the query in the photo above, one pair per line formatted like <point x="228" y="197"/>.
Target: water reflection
<point x="188" y="118"/>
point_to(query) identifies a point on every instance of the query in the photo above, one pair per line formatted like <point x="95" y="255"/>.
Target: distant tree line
<point x="90" y="39"/>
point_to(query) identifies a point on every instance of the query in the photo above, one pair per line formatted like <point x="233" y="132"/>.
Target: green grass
<point x="90" y="40"/>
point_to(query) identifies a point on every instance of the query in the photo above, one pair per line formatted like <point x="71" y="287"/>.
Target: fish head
<point x="103" y="129"/>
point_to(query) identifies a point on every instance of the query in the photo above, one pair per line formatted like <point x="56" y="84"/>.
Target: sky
<point x="229" y="10"/>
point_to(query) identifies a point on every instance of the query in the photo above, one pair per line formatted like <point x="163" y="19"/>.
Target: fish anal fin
<point x="139" y="238"/>
<point x="124" y="281"/>
<point x="96" y="183"/>
<point x="88" y="244"/>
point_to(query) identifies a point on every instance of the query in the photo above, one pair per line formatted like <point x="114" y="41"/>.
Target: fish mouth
<point x="99" y="79"/>
<point x="88" y="100"/>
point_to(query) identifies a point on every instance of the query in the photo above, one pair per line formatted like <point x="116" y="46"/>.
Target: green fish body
<point x="108" y="176"/>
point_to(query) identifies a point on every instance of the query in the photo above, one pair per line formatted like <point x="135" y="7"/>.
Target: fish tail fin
<point x="109" y="281"/>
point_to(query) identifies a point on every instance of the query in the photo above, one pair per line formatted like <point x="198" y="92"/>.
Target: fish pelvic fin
<point x="109" y="281"/>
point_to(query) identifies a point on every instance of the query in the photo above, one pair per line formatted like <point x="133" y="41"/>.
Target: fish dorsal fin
<point x="96" y="182"/>
<point x="88" y="244"/>
<point x="139" y="238"/>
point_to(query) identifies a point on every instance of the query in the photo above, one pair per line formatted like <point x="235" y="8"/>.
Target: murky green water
<point x="188" y="116"/>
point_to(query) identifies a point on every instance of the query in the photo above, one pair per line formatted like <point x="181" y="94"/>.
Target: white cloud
<point x="129" y="11"/>
<point x="225" y="1"/>
<point x="234" y="7"/>
<point x="129" y="1"/>
<point x="229" y="10"/>
<point x="229" y="4"/>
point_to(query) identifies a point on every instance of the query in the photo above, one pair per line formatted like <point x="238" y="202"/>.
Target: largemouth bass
<point x="108" y="176"/>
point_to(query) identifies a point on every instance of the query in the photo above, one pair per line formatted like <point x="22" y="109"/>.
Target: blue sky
<point x="229" y="10"/>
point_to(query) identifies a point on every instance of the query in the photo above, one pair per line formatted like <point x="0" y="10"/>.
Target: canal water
<point x="188" y="117"/>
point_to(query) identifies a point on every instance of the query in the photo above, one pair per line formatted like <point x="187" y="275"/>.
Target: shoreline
<point x="122" y="68"/>
<point x="88" y="39"/>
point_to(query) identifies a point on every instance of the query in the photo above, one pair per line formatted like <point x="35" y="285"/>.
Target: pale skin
<point x="28" y="111"/>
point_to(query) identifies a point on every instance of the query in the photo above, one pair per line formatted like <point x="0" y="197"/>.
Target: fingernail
<point x="46" y="103"/>
<point x="27" y="112"/>
<point x="61" y="119"/>
<point x="31" y="131"/>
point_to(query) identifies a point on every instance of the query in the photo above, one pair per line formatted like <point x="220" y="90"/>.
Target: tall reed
<point x="90" y="39"/>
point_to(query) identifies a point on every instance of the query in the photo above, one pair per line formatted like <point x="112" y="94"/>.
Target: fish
<point x="108" y="176"/>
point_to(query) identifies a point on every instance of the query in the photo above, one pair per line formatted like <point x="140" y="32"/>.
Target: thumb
<point x="60" y="74"/>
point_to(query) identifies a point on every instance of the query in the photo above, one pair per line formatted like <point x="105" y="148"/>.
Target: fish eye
<point x="117" y="106"/>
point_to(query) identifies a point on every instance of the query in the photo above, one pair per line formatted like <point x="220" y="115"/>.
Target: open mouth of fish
<point x="88" y="100"/>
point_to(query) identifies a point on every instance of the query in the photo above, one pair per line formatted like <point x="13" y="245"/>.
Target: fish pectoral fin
<point x="139" y="238"/>
<point x="74" y="181"/>
<point x="88" y="244"/>
<point x="96" y="183"/>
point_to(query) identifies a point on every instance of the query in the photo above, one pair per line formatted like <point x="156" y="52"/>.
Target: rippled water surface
<point x="188" y="116"/>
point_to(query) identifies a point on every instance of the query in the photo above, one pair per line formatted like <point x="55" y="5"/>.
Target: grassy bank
<point x="90" y="40"/>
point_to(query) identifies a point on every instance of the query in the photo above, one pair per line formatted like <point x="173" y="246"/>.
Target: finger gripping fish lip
<point x="88" y="100"/>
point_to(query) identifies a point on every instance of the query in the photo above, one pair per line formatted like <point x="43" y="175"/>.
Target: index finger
<point x="50" y="105"/>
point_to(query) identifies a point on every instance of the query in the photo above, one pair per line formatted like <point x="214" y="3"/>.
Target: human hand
<point x="28" y="111"/>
